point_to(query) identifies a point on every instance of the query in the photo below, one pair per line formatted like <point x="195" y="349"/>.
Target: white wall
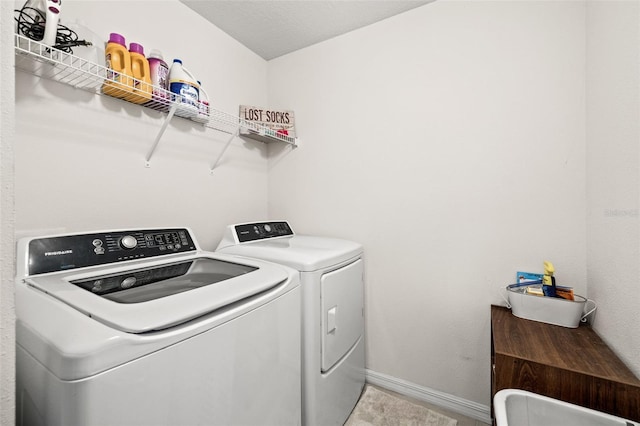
<point x="80" y="160"/>
<point x="7" y="217"/>
<point x="613" y="180"/>
<point x="449" y="140"/>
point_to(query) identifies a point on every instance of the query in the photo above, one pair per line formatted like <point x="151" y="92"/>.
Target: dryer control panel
<point x="60" y="253"/>
<point x="261" y="230"/>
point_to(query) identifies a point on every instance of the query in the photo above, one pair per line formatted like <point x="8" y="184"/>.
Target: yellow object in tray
<point x="536" y="291"/>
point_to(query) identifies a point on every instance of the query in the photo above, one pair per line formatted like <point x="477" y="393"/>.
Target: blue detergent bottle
<point x="184" y="88"/>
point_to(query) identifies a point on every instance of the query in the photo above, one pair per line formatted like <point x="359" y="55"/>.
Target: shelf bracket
<point x="160" y="133"/>
<point x="215" y="164"/>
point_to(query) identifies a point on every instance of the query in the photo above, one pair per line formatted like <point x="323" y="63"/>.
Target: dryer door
<point x="342" y="311"/>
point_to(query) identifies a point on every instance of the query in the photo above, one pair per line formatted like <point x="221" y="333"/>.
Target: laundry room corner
<point x="449" y="141"/>
<point x="613" y="178"/>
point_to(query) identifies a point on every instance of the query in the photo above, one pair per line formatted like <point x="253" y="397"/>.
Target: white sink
<point x="514" y="407"/>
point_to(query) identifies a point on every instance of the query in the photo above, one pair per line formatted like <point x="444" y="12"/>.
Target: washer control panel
<point x="261" y="230"/>
<point x="59" y="253"/>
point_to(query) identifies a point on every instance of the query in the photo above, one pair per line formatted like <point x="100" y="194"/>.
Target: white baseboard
<point x="449" y="402"/>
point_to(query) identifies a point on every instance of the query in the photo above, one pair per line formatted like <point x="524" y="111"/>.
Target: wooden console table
<point x="569" y="364"/>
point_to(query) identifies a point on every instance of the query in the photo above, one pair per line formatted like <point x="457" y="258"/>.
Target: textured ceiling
<point x="273" y="28"/>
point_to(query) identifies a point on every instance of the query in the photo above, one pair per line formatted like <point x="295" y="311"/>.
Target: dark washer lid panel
<point x="142" y="285"/>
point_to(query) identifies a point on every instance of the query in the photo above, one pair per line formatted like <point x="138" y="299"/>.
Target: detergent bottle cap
<point x="155" y="53"/>
<point x="116" y="38"/>
<point x="178" y="61"/>
<point x="136" y="48"/>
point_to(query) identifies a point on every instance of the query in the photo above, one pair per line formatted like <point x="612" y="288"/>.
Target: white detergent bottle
<point x="184" y="88"/>
<point x="203" y="106"/>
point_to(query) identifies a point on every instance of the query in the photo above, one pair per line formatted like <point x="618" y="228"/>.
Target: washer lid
<point x="301" y="252"/>
<point x="156" y="295"/>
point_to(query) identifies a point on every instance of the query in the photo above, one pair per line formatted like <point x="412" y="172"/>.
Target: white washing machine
<point x="141" y="327"/>
<point x="331" y="278"/>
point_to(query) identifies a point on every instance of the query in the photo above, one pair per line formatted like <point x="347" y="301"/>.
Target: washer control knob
<point x="128" y="242"/>
<point x="128" y="282"/>
<point x="267" y="227"/>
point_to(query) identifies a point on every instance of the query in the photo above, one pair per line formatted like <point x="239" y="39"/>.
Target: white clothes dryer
<point x="332" y="283"/>
<point x="141" y="327"/>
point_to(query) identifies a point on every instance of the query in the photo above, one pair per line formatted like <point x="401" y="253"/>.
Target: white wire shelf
<point x="53" y="64"/>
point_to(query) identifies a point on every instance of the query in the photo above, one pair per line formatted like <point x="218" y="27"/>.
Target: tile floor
<point x="462" y="420"/>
